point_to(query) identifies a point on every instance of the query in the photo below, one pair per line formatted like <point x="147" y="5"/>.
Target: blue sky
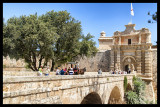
<point x="94" y="17"/>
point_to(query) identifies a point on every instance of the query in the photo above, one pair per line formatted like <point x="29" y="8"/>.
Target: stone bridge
<point x="65" y="89"/>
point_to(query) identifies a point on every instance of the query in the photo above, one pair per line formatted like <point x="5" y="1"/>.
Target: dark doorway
<point x="126" y="68"/>
<point x="129" y="41"/>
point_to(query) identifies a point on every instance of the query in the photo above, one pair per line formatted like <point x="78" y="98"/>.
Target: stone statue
<point x="119" y="67"/>
<point x="132" y="68"/>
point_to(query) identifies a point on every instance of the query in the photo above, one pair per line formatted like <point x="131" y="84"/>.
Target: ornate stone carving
<point x="117" y="33"/>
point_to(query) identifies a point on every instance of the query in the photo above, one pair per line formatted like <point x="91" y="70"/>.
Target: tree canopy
<point x="55" y="36"/>
<point x="154" y="17"/>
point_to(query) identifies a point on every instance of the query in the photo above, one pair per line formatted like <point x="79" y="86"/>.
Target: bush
<point x="139" y="86"/>
<point x="137" y="95"/>
<point x="125" y="83"/>
<point x="132" y="97"/>
<point x="134" y="78"/>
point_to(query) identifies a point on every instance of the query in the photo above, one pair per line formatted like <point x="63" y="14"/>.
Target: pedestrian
<point x="99" y="71"/>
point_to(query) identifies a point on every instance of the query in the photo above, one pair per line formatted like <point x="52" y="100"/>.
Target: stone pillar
<point x="139" y="38"/>
<point x="148" y="65"/>
<point x="138" y="59"/>
<point x="148" y="38"/>
<point x="118" y="56"/>
<point x="112" y="59"/>
<point x="119" y="40"/>
<point x="113" y="41"/>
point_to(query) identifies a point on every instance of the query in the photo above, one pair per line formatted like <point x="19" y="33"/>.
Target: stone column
<point x="148" y="65"/>
<point x="139" y="38"/>
<point x="138" y="59"/>
<point x="148" y="38"/>
<point x="112" y="59"/>
<point x="119" y="40"/>
<point x="113" y="41"/>
<point x="118" y="56"/>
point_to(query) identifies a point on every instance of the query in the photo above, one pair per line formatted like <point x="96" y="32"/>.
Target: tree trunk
<point x="40" y="61"/>
<point x="53" y="63"/>
<point x="34" y="61"/>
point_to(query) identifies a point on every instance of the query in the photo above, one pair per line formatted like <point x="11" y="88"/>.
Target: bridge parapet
<point x="22" y="89"/>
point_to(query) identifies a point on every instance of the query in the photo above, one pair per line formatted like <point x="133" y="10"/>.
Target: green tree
<point x="69" y="30"/>
<point x="87" y="46"/>
<point x="30" y="40"/>
<point x="68" y="45"/>
<point x="52" y="36"/>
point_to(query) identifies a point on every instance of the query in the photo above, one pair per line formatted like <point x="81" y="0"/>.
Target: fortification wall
<point x="154" y="70"/>
<point x="100" y="61"/>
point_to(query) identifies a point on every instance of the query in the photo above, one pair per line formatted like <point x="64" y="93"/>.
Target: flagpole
<point x="131" y="19"/>
<point x="131" y="14"/>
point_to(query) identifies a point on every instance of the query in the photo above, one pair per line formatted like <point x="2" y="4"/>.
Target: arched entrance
<point x="115" y="96"/>
<point x="126" y="68"/>
<point x="92" y="98"/>
<point x="127" y="62"/>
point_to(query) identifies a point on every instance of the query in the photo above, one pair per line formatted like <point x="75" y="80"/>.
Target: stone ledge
<point x="26" y="92"/>
<point x="18" y="79"/>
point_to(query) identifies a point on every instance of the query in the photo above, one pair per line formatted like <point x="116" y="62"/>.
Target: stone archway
<point x="115" y="96"/>
<point x="127" y="62"/>
<point x="92" y="98"/>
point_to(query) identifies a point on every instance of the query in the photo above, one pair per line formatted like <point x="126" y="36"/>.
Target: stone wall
<point x="59" y="89"/>
<point x="154" y="70"/>
<point x="13" y="64"/>
<point x="100" y="61"/>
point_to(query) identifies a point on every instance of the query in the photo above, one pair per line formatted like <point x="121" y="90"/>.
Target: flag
<point x="132" y="13"/>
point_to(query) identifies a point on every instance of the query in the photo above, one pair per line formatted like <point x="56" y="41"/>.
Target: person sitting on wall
<point x="62" y="72"/>
<point x="65" y="71"/>
<point x="119" y="72"/>
<point x="71" y="72"/>
<point x="57" y="71"/>
<point x="47" y="71"/>
<point x="111" y="72"/>
<point x="75" y="70"/>
<point x="116" y="71"/>
<point x="40" y="71"/>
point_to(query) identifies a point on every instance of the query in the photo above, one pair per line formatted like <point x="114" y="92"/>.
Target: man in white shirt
<point x="71" y="72"/>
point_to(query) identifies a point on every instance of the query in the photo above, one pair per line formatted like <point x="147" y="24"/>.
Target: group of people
<point x="69" y="71"/>
<point x="44" y="70"/>
<point x="120" y="72"/>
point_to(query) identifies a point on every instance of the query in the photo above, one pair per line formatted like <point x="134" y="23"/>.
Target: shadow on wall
<point x="129" y="88"/>
<point x="115" y="96"/>
<point x="92" y="98"/>
<point x="104" y="61"/>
